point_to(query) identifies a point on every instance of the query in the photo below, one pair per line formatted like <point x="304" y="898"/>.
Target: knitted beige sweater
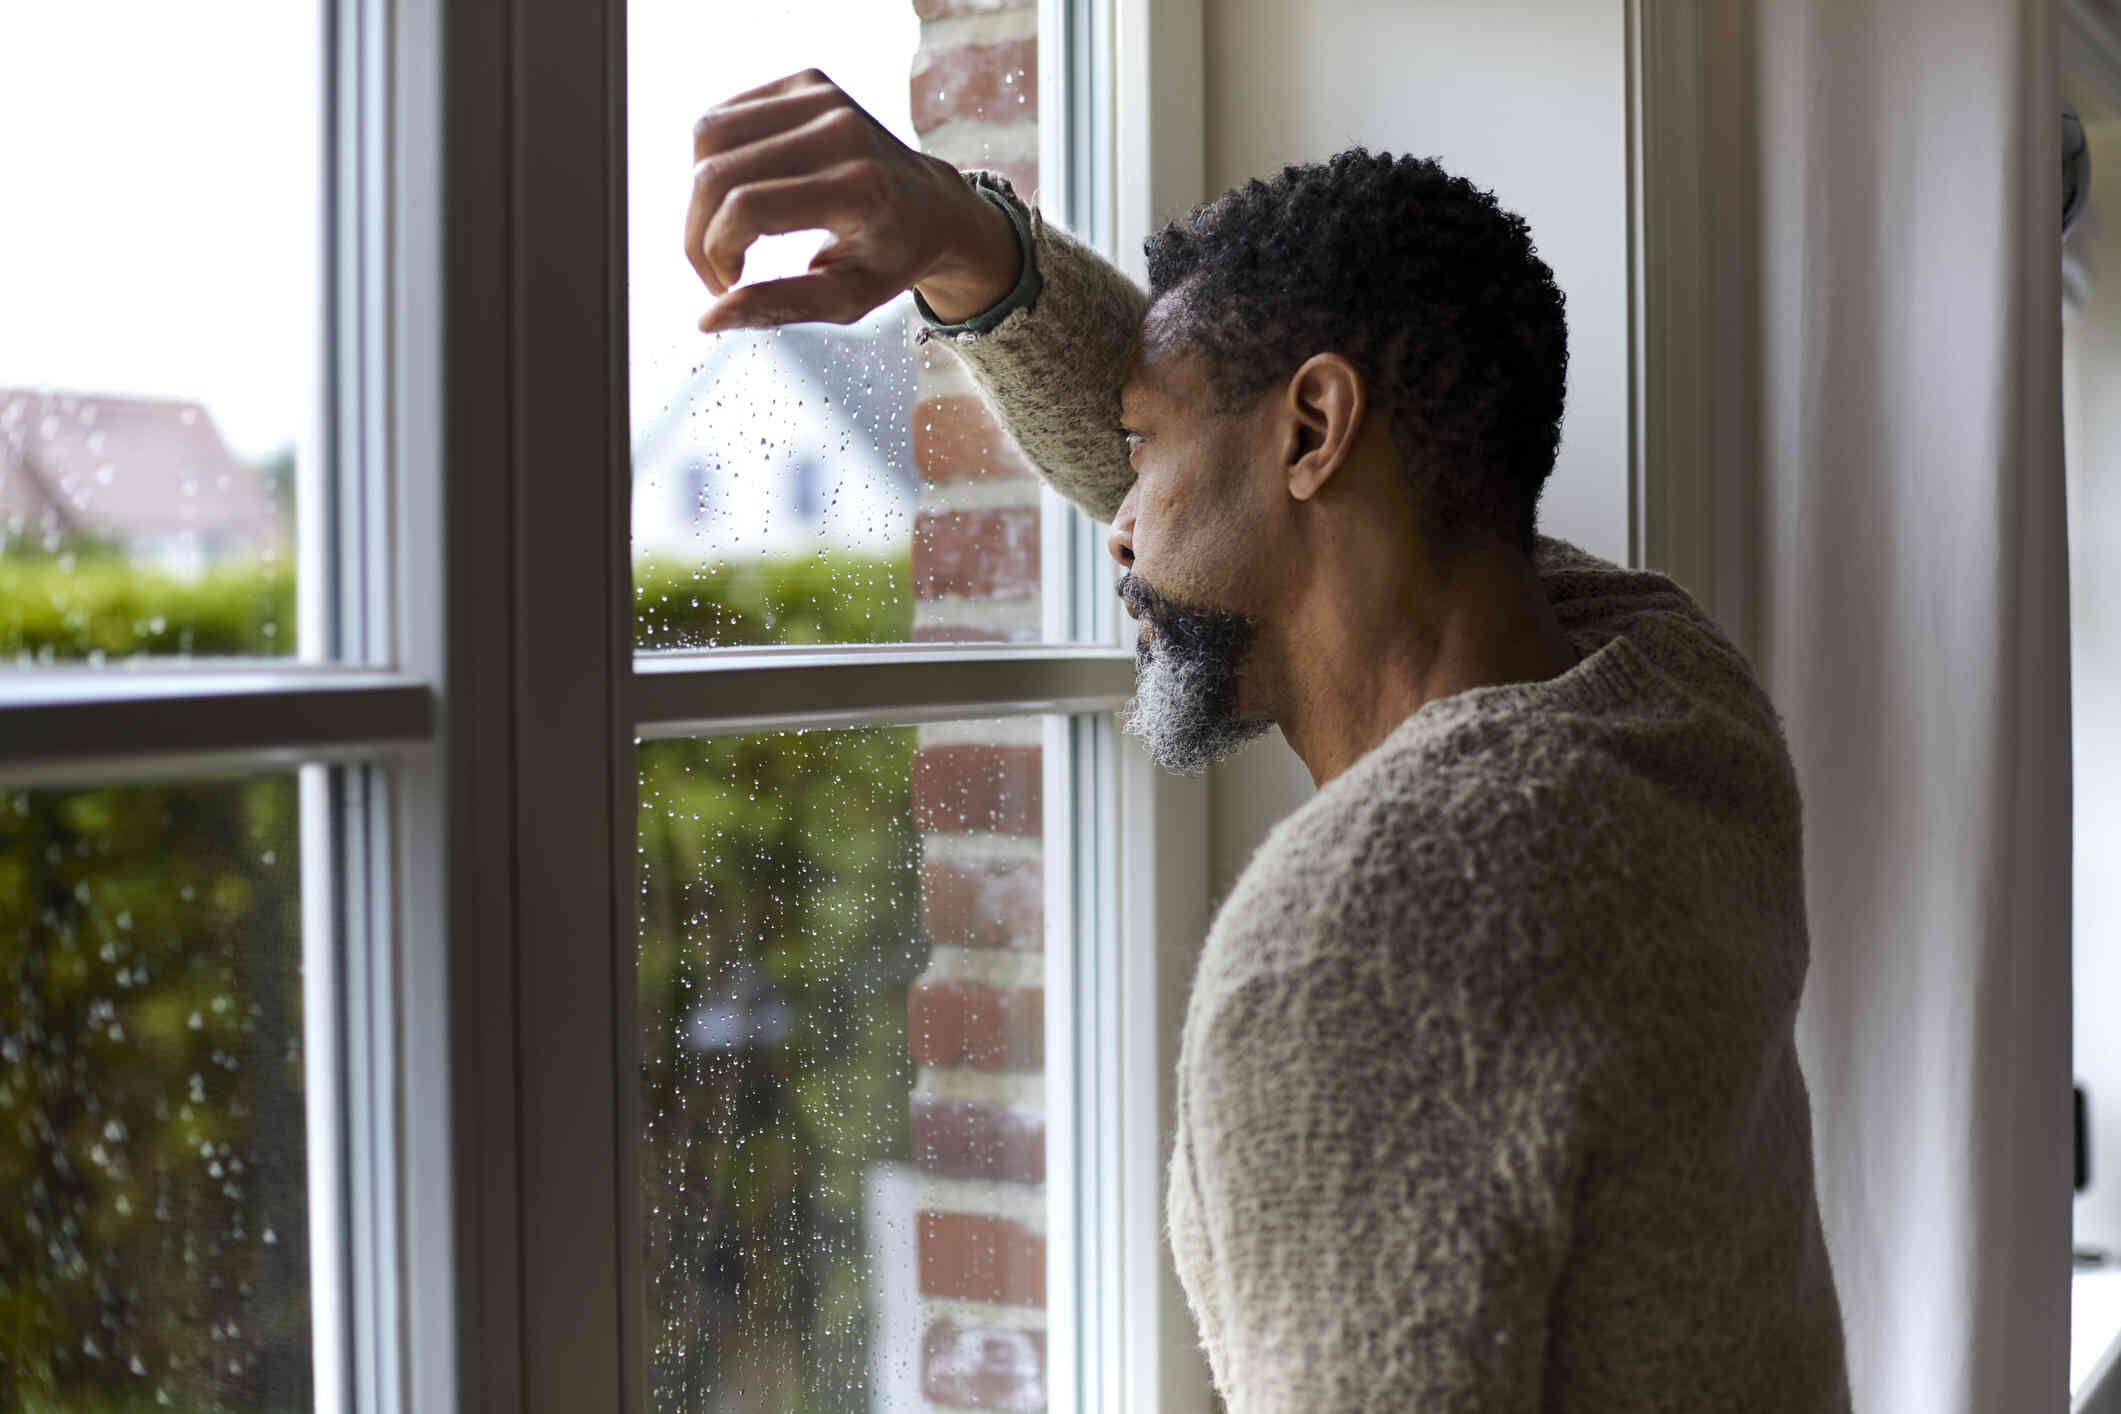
<point x="1488" y="1091"/>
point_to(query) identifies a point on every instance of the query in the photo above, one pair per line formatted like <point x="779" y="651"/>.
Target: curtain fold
<point x="1883" y="195"/>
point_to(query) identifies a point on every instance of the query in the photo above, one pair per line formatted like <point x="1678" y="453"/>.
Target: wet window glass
<point x="820" y="483"/>
<point x="154" y="1212"/>
<point x="842" y="1036"/>
<point x="160" y="367"/>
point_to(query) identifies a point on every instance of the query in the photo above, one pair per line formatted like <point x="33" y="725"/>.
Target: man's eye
<point x="1134" y="441"/>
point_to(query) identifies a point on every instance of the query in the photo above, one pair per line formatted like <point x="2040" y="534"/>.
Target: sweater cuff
<point x="997" y="189"/>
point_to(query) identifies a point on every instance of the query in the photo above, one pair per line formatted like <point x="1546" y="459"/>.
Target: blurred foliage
<point x="838" y="597"/>
<point x="86" y="603"/>
<point x="152" y="1129"/>
<point x="153" y="1214"/>
<point x="780" y="929"/>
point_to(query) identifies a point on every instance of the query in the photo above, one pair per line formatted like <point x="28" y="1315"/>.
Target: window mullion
<point x="712" y="694"/>
<point x="568" y="771"/>
<point x="367" y="1057"/>
<point x="1153" y="90"/>
<point x="98" y="723"/>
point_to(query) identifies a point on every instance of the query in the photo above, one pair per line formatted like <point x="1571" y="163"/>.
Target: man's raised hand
<point x="798" y="154"/>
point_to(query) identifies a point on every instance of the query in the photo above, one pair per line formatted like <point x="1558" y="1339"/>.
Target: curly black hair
<point x="1418" y="278"/>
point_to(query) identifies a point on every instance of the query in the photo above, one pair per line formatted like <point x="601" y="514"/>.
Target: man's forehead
<point x="1153" y="364"/>
<point x="1138" y="389"/>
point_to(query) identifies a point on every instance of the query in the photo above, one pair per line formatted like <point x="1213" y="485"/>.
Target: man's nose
<point x="1120" y="543"/>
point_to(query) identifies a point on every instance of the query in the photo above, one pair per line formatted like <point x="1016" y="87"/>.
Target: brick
<point x="978" y="1139"/>
<point x="958" y="633"/>
<point x="995" y="82"/>
<point x="984" y="1367"/>
<point x="972" y="1023"/>
<point x="986" y="553"/>
<point x="984" y="903"/>
<point x="935" y="1022"/>
<point x="953" y="620"/>
<point x="972" y="1257"/>
<point x="955" y="438"/>
<point x="943" y="9"/>
<point x="970" y="787"/>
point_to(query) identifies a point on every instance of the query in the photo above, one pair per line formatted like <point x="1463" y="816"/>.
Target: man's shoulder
<point x="1410" y="848"/>
<point x="1598" y="601"/>
<point x="1521" y="828"/>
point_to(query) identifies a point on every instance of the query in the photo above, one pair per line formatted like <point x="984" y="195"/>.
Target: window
<point x="817" y="483"/>
<point x="842" y="966"/>
<point x="156" y="1161"/>
<point x="542" y="1064"/>
<point x="159" y="410"/>
<point x="202" y="714"/>
<point x="841" y="991"/>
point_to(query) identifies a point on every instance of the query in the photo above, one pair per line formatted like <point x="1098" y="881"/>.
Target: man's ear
<point x="1324" y="405"/>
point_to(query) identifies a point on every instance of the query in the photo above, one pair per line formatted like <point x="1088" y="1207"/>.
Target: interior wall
<point x="1527" y="99"/>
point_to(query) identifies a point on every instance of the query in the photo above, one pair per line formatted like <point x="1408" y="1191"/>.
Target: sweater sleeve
<point x="1051" y="368"/>
<point x="1385" y="1168"/>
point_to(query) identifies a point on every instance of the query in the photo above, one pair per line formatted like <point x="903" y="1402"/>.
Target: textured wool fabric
<point x="1053" y="380"/>
<point x="1488" y="1090"/>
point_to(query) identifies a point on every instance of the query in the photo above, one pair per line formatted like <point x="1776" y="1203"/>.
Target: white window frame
<point x="469" y="895"/>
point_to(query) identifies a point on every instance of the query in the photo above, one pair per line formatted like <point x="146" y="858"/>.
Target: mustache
<point x="1137" y="595"/>
<point x="1152" y="604"/>
<point x="1183" y="625"/>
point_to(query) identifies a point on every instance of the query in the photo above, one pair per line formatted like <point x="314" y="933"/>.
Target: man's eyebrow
<point x="1136" y="394"/>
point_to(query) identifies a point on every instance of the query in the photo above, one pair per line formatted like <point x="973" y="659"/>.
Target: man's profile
<point x="1488" y="1089"/>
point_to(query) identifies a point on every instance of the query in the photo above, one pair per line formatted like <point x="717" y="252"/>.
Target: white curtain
<point x="1891" y="549"/>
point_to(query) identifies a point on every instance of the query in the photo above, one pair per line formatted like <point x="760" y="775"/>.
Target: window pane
<point x="154" y="1239"/>
<point x="842" y="1013"/>
<point x="820" y="484"/>
<point x="159" y="371"/>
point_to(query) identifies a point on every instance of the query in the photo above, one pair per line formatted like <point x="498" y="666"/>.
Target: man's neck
<point x="1351" y="674"/>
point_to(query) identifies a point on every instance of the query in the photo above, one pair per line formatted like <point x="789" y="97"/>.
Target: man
<point x="1488" y="1090"/>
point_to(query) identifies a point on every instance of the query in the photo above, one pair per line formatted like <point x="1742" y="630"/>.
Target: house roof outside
<point x="146" y="472"/>
<point x="781" y="443"/>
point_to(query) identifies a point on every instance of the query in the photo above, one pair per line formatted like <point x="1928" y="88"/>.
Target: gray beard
<point x="1185" y="703"/>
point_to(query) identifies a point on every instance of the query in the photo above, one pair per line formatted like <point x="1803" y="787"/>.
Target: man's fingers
<point x="733" y="123"/>
<point x="828" y="139"/>
<point x="836" y="295"/>
<point x="837" y="199"/>
<point x="802" y="78"/>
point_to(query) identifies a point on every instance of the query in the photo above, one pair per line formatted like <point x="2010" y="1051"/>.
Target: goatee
<point x="1185" y="703"/>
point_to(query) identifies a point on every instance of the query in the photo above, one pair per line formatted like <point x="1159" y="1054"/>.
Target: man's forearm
<point x="1051" y="368"/>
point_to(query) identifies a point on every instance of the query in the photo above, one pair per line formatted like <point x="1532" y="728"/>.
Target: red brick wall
<point x="977" y="1013"/>
<point x="976" y="572"/>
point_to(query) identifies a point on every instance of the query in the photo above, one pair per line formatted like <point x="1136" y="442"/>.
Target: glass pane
<point x="154" y="1228"/>
<point x="819" y="483"/>
<point x="842" y="1024"/>
<point x="159" y="373"/>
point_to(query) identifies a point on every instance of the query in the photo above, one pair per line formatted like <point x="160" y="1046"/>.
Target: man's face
<point x="1188" y="537"/>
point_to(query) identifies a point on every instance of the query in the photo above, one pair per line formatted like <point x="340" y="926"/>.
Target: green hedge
<point x="80" y="606"/>
<point x="819" y="598"/>
<point x="149" y="941"/>
<point x="75" y="607"/>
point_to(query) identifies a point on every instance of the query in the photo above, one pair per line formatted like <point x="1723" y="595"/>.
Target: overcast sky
<point x="164" y="186"/>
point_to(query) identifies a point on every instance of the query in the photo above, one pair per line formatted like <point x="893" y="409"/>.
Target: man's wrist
<point x="981" y="274"/>
<point x="988" y="311"/>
